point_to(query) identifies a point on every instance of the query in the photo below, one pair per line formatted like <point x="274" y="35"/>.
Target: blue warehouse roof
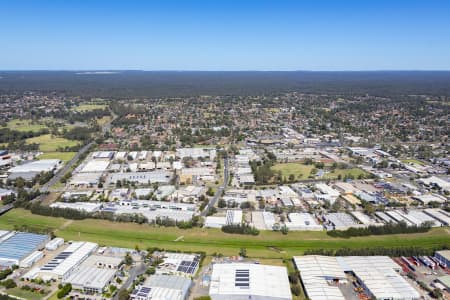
<point x="21" y="245"/>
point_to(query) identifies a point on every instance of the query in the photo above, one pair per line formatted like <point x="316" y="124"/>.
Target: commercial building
<point x="142" y="177"/>
<point x="339" y="221"/>
<point x="31" y="259"/>
<point x="17" y="246"/>
<point x="95" y="166"/>
<point x="85" y="180"/>
<point x="303" y="221"/>
<point x="321" y="276"/>
<point x="178" y="264"/>
<point x="65" y="263"/>
<point x="167" y="287"/>
<point x="443" y="257"/>
<point x="243" y="281"/>
<point x="232" y="217"/>
<point x="95" y="274"/>
<point x="438" y="215"/>
<point x="29" y="170"/>
<point x="54" y="244"/>
<point x="88" y="207"/>
<point x="326" y="193"/>
<point x="377" y="275"/>
<point x="44" y="165"/>
<point x="196" y="153"/>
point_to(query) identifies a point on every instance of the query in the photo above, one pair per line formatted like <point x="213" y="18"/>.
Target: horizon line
<point x="212" y="70"/>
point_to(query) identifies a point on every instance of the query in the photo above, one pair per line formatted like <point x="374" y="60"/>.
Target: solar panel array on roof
<point x="142" y="291"/>
<point x="188" y="267"/>
<point x="242" y="278"/>
<point x="20" y="245"/>
<point x="56" y="261"/>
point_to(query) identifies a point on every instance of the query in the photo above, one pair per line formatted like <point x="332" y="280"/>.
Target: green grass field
<point x="293" y="168"/>
<point x="89" y="107"/>
<point x="267" y="244"/>
<point x="305" y="171"/>
<point x="415" y="161"/>
<point x="49" y="143"/>
<point x="355" y="172"/>
<point x="26" y="125"/>
<point x="64" y="156"/>
<point x="18" y="292"/>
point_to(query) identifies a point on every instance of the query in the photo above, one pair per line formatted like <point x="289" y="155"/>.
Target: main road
<point x="220" y="189"/>
<point x="67" y="167"/>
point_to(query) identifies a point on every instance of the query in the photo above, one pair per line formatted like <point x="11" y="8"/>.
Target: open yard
<point x="49" y="143"/>
<point x="64" y="156"/>
<point x="267" y="244"/>
<point x="89" y="107"/>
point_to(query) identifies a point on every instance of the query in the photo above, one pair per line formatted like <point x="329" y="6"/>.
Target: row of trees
<point x="389" y="228"/>
<point x="240" y="229"/>
<point x="370" y="251"/>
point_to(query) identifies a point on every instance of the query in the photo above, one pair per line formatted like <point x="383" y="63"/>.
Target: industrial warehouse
<point x="327" y="277"/>
<point x="15" y="247"/>
<point x="242" y="281"/>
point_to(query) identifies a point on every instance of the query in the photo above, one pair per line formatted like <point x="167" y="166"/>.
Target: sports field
<point x="302" y="171"/>
<point x="49" y="143"/>
<point x="89" y="107"/>
<point x="267" y="244"/>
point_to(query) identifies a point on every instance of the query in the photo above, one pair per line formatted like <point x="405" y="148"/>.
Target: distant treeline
<point x="390" y="228"/>
<point x="391" y="251"/>
<point x="140" y="84"/>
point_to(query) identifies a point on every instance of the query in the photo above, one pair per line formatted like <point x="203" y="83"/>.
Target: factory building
<point x="65" y="263"/>
<point x="322" y="277"/>
<point x="303" y="221"/>
<point x="243" y="281"/>
<point x="95" y="274"/>
<point x="232" y="217"/>
<point x="443" y="257"/>
<point x="17" y="246"/>
<point x="29" y="170"/>
<point x="167" y="287"/>
<point x="142" y="177"/>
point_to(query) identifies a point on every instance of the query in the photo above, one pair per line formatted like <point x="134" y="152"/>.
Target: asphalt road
<point x="135" y="271"/>
<point x="213" y="200"/>
<point x="61" y="172"/>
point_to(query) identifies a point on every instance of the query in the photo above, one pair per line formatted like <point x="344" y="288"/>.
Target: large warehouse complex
<point x="243" y="281"/>
<point x="15" y="247"/>
<point x="323" y="276"/>
<point x="65" y="263"/>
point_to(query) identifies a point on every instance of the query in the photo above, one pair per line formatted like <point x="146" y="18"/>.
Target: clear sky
<point x="225" y="35"/>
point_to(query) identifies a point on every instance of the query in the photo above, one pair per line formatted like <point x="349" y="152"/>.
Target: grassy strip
<point x="267" y="244"/>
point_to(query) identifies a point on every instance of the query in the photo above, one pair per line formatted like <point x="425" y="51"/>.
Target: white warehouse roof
<point x="244" y="280"/>
<point x="316" y="272"/>
<point x="44" y="165"/>
<point x="379" y="276"/>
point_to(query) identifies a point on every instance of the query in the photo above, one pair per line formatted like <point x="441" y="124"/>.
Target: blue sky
<point x="225" y="35"/>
